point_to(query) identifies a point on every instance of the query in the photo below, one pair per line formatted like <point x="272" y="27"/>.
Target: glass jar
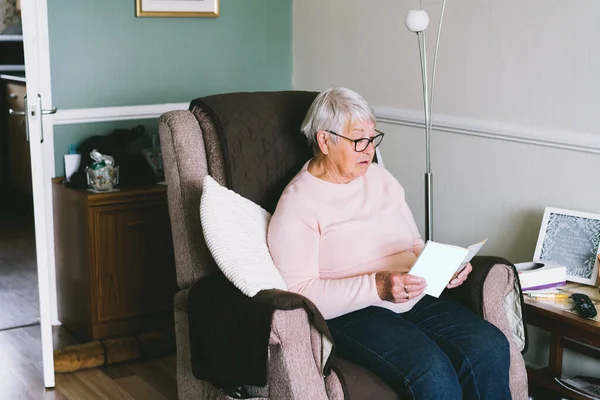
<point x="104" y="178"/>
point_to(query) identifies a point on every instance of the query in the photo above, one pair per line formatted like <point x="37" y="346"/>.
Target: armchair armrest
<point x="296" y="357"/>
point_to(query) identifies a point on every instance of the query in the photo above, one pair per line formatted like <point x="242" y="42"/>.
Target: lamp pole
<point x="428" y="173"/>
<point x="417" y="21"/>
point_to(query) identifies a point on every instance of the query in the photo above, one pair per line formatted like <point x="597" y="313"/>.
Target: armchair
<point x="250" y="142"/>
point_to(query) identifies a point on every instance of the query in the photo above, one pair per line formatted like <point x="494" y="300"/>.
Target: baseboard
<point x="577" y="141"/>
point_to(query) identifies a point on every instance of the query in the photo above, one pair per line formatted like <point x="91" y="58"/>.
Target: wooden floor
<point x="21" y="373"/>
<point x="18" y="269"/>
<point x="20" y="347"/>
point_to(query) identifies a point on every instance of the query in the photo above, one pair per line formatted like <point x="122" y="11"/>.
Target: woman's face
<point x="348" y="163"/>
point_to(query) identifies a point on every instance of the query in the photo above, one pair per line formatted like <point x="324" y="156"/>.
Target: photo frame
<point x="153" y="156"/>
<point x="570" y="238"/>
<point x="177" y="8"/>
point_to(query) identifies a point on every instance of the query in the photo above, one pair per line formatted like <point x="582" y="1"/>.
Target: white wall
<point x="508" y="71"/>
<point x="532" y="62"/>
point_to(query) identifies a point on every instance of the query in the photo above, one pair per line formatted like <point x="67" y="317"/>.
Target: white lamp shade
<point x="416" y="20"/>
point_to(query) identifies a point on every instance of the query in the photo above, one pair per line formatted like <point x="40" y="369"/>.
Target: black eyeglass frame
<point x="361" y="140"/>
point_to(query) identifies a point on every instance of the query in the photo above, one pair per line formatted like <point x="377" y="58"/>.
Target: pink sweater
<point x="328" y="240"/>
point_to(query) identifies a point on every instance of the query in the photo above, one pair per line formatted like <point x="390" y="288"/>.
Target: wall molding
<point x="106" y="114"/>
<point x="561" y="139"/>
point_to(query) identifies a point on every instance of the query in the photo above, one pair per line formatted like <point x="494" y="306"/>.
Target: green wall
<point x="101" y="55"/>
<point x="66" y="134"/>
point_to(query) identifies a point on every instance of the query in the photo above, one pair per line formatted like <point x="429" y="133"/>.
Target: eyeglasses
<point x="361" y="145"/>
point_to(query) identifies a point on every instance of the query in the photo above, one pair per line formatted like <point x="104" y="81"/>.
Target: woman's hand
<point x="458" y="280"/>
<point x="398" y="287"/>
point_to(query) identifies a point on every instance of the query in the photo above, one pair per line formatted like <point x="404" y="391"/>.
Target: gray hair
<point x="332" y="109"/>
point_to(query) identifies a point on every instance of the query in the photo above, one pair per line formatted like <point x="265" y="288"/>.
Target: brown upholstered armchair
<point x="251" y="143"/>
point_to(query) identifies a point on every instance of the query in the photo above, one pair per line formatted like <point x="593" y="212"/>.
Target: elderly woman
<point x="343" y="236"/>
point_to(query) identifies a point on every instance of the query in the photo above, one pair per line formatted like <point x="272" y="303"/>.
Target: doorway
<point x="18" y="265"/>
<point x="26" y="166"/>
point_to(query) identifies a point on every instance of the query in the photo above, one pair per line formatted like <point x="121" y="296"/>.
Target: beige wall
<point x="518" y="88"/>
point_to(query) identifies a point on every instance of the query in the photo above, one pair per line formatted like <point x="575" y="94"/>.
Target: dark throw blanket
<point x="229" y="332"/>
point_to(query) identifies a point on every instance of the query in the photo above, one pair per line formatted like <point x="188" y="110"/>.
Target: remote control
<point x="584" y="305"/>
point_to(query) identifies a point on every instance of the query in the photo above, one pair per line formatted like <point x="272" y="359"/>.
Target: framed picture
<point x="177" y="8"/>
<point x="570" y="238"/>
<point x="154" y="157"/>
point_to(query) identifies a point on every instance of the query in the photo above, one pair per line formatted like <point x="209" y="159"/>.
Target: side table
<point x="567" y="331"/>
<point x="115" y="265"/>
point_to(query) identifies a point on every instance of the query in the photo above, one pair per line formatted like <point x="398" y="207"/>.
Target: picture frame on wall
<point x="177" y="8"/>
<point x="570" y="238"/>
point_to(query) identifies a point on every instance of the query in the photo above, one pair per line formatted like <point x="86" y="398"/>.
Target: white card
<point x="438" y="263"/>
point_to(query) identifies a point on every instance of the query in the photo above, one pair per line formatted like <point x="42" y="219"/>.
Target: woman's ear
<point x="323" y="141"/>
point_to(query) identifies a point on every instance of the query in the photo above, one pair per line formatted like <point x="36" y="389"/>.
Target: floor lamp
<point x="417" y="21"/>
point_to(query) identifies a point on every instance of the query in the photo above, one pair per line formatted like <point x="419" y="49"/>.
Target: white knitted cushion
<point x="235" y="230"/>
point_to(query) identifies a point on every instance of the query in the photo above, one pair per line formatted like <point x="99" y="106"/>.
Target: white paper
<point x="473" y="249"/>
<point x="438" y="263"/>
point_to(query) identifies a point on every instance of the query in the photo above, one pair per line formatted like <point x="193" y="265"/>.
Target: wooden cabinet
<point x="18" y="160"/>
<point x="114" y="261"/>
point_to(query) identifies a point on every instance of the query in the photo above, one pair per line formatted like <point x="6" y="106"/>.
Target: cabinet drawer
<point x="133" y="262"/>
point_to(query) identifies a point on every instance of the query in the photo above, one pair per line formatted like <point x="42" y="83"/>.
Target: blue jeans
<point x="438" y="350"/>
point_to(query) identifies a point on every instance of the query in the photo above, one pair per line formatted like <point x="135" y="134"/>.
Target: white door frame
<point x="37" y="68"/>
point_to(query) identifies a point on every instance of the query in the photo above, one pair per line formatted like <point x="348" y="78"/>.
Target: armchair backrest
<point x="249" y="142"/>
